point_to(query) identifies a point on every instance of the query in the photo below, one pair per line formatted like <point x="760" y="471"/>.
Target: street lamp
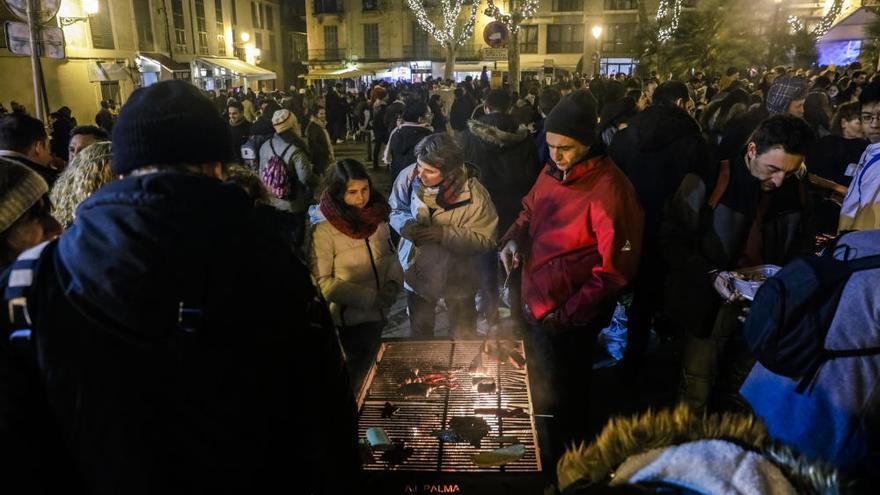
<point x="89" y="8"/>
<point x="597" y="33"/>
<point x="245" y="37"/>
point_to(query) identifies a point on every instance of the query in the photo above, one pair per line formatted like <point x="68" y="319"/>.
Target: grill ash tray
<point x="459" y="388"/>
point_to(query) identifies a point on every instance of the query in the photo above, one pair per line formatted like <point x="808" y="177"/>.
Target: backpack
<point x="276" y="177"/>
<point x="250" y="151"/>
<point x="792" y="312"/>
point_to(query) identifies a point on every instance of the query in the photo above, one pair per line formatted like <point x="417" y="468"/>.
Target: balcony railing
<point x="328" y="54"/>
<point x="438" y="53"/>
<point x="618" y="47"/>
<point x="327" y="7"/>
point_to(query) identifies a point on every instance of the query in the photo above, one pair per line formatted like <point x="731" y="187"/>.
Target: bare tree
<point x="451" y="31"/>
<point x="520" y="10"/>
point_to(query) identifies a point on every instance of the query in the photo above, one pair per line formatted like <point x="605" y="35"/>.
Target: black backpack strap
<point x="21" y="279"/>
<point x="866" y="263"/>
<point x="283" y="152"/>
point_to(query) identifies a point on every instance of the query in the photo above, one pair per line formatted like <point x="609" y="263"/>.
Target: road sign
<point x="495" y="34"/>
<point x="46" y="9"/>
<point x="50" y="44"/>
<point x="494" y="53"/>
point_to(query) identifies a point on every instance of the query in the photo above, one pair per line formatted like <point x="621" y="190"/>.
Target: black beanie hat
<point x="168" y="123"/>
<point x="574" y="117"/>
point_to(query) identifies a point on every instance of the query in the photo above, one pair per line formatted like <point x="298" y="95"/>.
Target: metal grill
<point x="418" y="417"/>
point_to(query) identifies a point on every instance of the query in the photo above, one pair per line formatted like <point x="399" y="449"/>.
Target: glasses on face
<point x="868" y="118"/>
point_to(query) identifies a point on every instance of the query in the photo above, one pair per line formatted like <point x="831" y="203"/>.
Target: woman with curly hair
<point x="86" y="173"/>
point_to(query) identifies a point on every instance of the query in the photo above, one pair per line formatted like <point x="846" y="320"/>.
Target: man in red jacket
<point x="578" y="240"/>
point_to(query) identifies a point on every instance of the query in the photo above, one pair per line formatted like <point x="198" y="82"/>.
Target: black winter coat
<point x="402" y="146"/>
<point x="460" y="113"/>
<point x="660" y="146"/>
<point x="319" y="147"/>
<point x="240" y="135"/>
<point x="392" y="112"/>
<point x="829" y="158"/>
<point x="831" y="155"/>
<point x="738" y="131"/>
<point x="507" y="159"/>
<point x="697" y="239"/>
<point x="114" y="397"/>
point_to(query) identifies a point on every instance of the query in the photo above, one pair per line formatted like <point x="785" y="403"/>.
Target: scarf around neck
<point x="367" y="219"/>
<point x="448" y="192"/>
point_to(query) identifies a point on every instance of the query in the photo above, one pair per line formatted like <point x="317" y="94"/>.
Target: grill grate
<point x="418" y="417"/>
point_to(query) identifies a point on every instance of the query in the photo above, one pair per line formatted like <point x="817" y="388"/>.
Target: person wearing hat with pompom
<point x="172" y="342"/>
<point x="577" y="240"/>
<point x="25" y="211"/>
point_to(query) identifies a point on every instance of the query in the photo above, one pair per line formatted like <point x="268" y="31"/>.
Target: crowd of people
<point x="195" y="283"/>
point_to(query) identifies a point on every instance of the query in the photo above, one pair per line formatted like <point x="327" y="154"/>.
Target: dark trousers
<point x="560" y="368"/>
<point x="647" y="300"/>
<point x="489" y="286"/>
<point x="377" y="147"/>
<point x="361" y="344"/>
<point x="461" y="311"/>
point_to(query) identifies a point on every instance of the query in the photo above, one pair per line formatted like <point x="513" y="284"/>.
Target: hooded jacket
<point x="140" y="405"/>
<point x="679" y="451"/>
<point x="451" y="267"/>
<point x="507" y="159"/>
<point x="837" y="419"/>
<point x="344" y="269"/>
<point x="581" y="235"/>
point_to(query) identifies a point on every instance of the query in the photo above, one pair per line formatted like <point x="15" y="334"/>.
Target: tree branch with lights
<point x="450" y="32"/>
<point x="668" y="18"/>
<point x="520" y="10"/>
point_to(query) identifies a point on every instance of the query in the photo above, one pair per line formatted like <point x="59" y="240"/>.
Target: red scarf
<point x="449" y="190"/>
<point x="368" y="219"/>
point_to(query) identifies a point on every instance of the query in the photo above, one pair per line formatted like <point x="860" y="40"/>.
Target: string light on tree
<point x="513" y="20"/>
<point x="668" y="17"/>
<point x="795" y="23"/>
<point x="445" y="34"/>
<point x="828" y="20"/>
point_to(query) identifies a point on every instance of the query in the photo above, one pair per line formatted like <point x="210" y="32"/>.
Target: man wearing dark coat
<point x="173" y="341"/>
<point x="506" y="157"/>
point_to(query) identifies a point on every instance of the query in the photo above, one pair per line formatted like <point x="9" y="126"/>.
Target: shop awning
<point x="108" y="71"/>
<point x="851" y="27"/>
<point x="342" y="73"/>
<point x="239" y="68"/>
<point x="165" y="62"/>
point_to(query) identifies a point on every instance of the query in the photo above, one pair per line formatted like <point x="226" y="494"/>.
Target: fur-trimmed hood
<point x="653" y="433"/>
<point x="498" y="129"/>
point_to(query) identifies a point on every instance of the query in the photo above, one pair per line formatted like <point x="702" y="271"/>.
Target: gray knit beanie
<point x="20" y="188"/>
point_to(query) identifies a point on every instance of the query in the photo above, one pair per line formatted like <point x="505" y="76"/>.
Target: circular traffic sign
<point x="46" y="9"/>
<point x="496" y="34"/>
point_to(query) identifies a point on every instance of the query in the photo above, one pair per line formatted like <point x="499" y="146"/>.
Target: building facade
<point x="383" y="37"/>
<point x="115" y="46"/>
